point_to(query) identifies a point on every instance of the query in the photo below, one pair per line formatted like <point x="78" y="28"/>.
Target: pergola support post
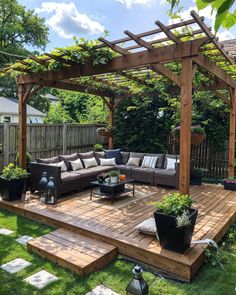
<point x="232" y="122"/>
<point x="22" y="126"/>
<point x="185" y="125"/>
<point x="111" y="122"/>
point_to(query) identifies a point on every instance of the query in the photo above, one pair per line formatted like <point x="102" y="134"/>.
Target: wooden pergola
<point x="144" y="54"/>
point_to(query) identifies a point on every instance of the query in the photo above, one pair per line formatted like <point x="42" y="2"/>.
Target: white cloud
<point x="225" y="35"/>
<point x="131" y="3"/>
<point x="67" y="21"/>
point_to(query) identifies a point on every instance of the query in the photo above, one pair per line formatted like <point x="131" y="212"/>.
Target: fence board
<point x="46" y="140"/>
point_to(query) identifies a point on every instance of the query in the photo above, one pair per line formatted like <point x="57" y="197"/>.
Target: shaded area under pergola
<point x="143" y="53"/>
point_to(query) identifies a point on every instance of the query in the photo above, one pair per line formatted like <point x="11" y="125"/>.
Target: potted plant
<point x="196" y="176"/>
<point x="197" y="134"/>
<point x="12" y="182"/>
<point x="230" y="184"/>
<point x="114" y="176"/>
<point x="175" y="221"/>
<point x="98" y="147"/>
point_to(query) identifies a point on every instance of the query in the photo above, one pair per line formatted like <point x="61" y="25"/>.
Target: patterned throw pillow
<point x="149" y="162"/>
<point x="133" y="162"/>
<point x="90" y="163"/>
<point x="76" y="165"/>
<point x="60" y="164"/>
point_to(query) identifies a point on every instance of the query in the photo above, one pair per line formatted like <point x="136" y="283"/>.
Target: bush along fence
<point x="48" y="140"/>
<point x="213" y="163"/>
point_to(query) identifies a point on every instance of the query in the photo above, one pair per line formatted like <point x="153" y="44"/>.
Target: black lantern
<point x="51" y="197"/>
<point x="137" y="286"/>
<point x="43" y="187"/>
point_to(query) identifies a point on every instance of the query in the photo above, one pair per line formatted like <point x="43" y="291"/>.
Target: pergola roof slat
<point x="114" y="47"/>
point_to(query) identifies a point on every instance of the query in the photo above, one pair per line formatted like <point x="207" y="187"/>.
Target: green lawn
<point x="210" y="280"/>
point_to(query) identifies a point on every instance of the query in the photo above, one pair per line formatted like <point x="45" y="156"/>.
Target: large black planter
<point x="196" y="180"/>
<point x="171" y="237"/>
<point x="230" y="186"/>
<point x="12" y="190"/>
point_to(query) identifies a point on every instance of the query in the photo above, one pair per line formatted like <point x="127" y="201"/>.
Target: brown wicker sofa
<point x="78" y="180"/>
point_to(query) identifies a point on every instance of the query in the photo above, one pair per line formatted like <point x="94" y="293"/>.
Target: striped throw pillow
<point x="149" y="162"/>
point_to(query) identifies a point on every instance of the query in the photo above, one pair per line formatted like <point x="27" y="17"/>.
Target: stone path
<point x="102" y="290"/>
<point x="23" y="240"/>
<point x="5" y="231"/>
<point x="41" y="279"/>
<point x="15" y="265"/>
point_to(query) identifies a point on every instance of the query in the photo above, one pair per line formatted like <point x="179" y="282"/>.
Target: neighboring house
<point x="53" y="99"/>
<point x="9" y="112"/>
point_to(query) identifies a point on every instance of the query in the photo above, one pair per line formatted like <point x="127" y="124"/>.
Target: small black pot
<point x="196" y="180"/>
<point x="11" y="190"/>
<point x="229" y="186"/>
<point x="171" y="237"/>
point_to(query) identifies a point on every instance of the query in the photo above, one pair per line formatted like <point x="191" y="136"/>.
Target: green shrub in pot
<point x="196" y="176"/>
<point x="175" y="220"/>
<point x="12" y="182"/>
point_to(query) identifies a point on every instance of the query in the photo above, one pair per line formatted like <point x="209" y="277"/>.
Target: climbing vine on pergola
<point x="109" y="68"/>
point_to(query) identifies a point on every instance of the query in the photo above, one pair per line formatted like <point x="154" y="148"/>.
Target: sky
<point x="90" y="18"/>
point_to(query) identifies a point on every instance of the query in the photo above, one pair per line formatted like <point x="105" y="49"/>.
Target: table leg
<point x="133" y="188"/>
<point x="112" y="195"/>
<point x="91" y="192"/>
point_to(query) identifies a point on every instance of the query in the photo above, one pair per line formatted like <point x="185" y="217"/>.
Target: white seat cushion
<point x="108" y="162"/>
<point x="90" y="162"/>
<point x="76" y="165"/>
<point x="148" y="227"/>
<point x="170" y="164"/>
<point x="61" y="164"/>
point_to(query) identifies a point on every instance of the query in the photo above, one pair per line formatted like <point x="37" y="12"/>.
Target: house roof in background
<point x="9" y="106"/>
<point x="230" y="47"/>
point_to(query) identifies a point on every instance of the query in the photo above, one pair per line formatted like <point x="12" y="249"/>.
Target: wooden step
<point x="78" y="253"/>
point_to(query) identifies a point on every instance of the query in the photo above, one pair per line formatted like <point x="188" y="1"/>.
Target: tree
<point x="19" y="27"/>
<point x="225" y="17"/>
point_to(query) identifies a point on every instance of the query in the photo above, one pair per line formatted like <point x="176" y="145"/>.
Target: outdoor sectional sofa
<point x="80" y="179"/>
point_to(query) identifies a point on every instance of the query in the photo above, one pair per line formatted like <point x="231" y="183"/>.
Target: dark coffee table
<point x="111" y="190"/>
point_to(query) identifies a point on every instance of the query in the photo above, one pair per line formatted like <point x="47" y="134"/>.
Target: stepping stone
<point x="102" y="290"/>
<point x="15" y="265"/>
<point x="5" y="232"/>
<point x="24" y="239"/>
<point x="41" y="279"/>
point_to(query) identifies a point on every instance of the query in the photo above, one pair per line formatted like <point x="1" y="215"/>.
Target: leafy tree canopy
<point x="225" y="15"/>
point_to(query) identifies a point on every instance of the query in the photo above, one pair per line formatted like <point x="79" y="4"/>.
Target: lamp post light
<point x="137" y="286"/>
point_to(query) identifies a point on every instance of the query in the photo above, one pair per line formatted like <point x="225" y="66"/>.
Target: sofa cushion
<point x="149" y="162"/>
<point x="160" y="159"/>
<point x="109" y="154"/>
<point x="124" y="167"/>
<point x="171" y="157"/>
<point x="134" y="162"/>
<point x="137" y="155"/>
<point x="108" y="162"/>
<point x="68" y="158"/>
<point x="48" y="160"/>
<point x="69" y="176"/>
<point x="60" y="164"/>
<point x="93" y="171"/>
<point x="90" y="162"/>
<point x="164" y="172"/>
<point x="99" y="155"/>
<point x="125" y="157"/>
<point x="143" y="170"/>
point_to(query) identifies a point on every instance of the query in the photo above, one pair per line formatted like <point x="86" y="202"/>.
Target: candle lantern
<point x="43" y="187"/>
<point x="137" y="286"/>
<point x="51" y="197"/>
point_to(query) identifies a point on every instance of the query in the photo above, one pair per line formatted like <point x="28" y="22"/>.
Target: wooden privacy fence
<point x="48" y="140"/>
<point x="214" y="164"/>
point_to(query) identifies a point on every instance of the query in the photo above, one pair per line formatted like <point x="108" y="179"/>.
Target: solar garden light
<point x="137" y="286"/>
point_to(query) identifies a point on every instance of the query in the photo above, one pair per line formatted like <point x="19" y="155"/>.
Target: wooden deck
<point x="114" y="224"/>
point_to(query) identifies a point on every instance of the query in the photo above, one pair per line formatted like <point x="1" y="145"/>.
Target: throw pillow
<point x="76" y="165"/>
<point x="149" y="162"/>
<point x="90" y="163"/>
<point x="108" y="162"/>
<point x="109" y="154"/>
<point x="98" y="156"/>
<point x="148" y="227"/>
<point x="133" y="162"/>
<point x="68" y="158"/>
<point x="170" y="163"/>
<point x="60" y="164"/>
